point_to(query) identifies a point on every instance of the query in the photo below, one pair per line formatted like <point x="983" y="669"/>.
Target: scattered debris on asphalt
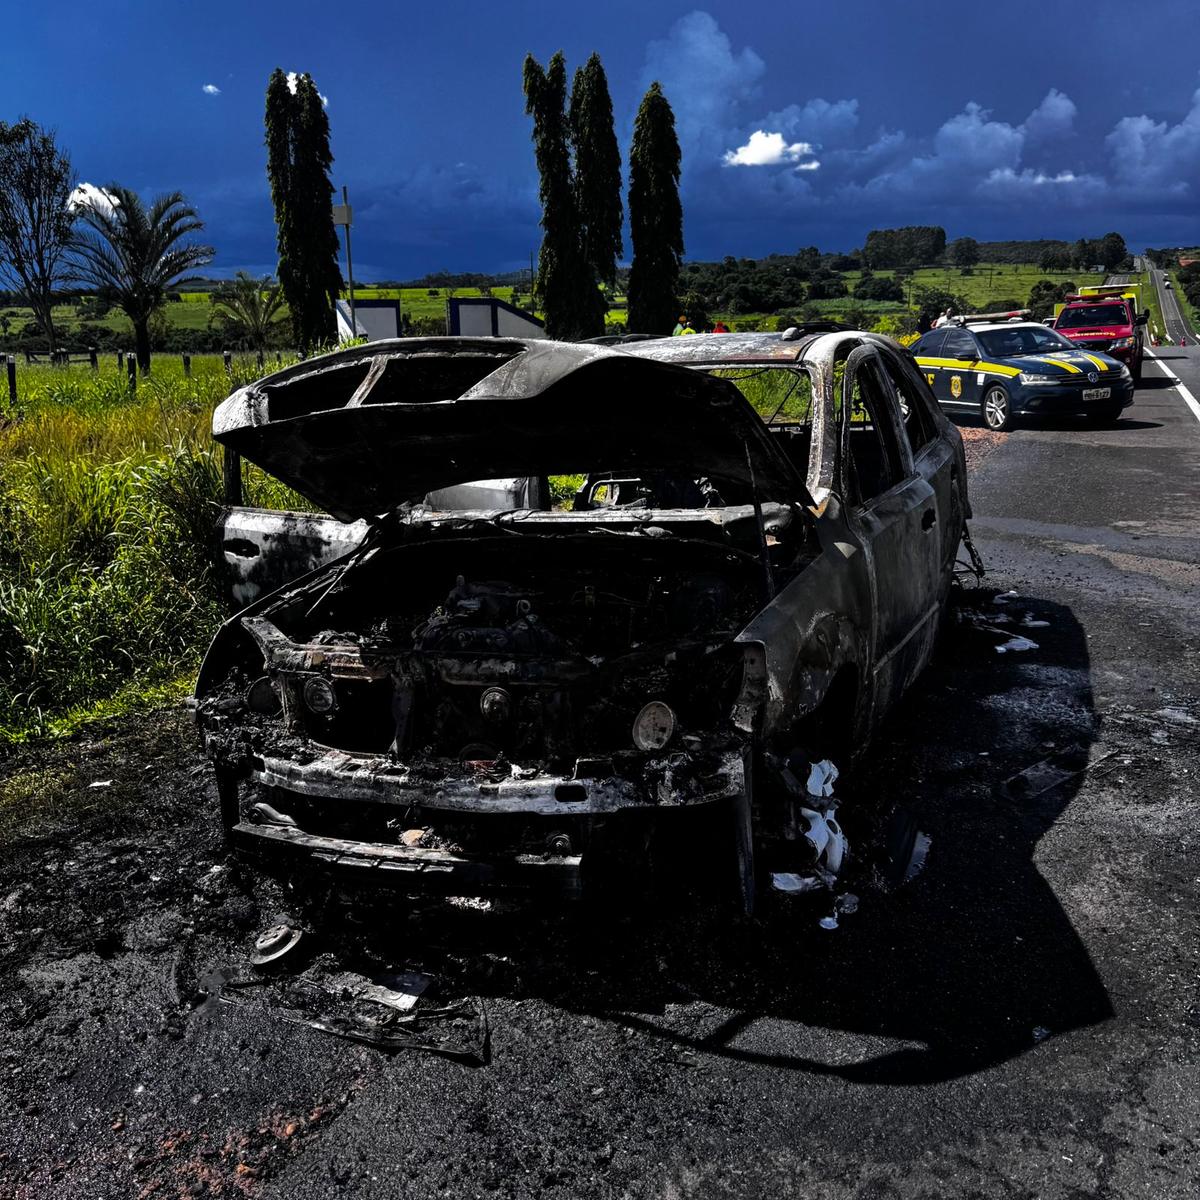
<point x="1041" y="776"/>
<point x="1016" y="643"/>
<point x="385" y="1011"/>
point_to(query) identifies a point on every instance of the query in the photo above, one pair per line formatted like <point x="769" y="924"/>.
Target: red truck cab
<point x="1107" y="324"/>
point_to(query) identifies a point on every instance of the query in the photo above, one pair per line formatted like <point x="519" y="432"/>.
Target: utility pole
<point x="341" y="216"/>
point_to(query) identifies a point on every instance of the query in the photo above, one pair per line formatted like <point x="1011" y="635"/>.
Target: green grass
<point x="108" y="590"/>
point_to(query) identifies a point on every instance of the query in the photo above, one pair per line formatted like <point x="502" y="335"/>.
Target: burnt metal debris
<point x="459" y="688"/>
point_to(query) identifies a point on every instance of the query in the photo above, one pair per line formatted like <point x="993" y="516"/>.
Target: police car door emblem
<point x="956" y="386"/>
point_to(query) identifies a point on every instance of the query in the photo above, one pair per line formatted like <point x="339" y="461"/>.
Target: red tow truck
<point x="1106" y="320"/>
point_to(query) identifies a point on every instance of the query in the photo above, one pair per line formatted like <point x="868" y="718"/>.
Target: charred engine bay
<point x="488" y="657"/>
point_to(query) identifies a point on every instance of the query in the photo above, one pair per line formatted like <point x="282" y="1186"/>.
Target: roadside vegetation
<point x="107" y="499"/>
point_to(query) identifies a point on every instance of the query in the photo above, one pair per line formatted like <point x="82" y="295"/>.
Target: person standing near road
<point x="679" y="325"/>
<point x="944" y="319"/>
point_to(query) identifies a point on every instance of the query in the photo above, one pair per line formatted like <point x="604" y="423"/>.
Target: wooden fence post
<point x="12" y="379"/>
<point x="93" y="358"/>
<point x="228" y="360"/>
<point x="187" y="364"/>
<point x="131" y="364"/>
<point x="120" y="360"/>
<point x="260" y="360"/>
<point x="231" y="460"/>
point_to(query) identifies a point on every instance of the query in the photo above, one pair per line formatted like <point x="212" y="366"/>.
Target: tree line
<point x="579" y="185"/>
<point x="56" y="234"/>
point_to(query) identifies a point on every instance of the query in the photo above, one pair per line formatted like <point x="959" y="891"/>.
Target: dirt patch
<point x="979" y="443"/>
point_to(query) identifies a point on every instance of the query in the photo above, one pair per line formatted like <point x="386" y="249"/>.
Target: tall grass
<point x="107" y="569"/>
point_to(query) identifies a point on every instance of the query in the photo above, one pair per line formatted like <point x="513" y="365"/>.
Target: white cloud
<point x="768" y="149"/>
<point x="705" y="81"/>
<point x="1154" y="155"/>
<point x="211" y="89"/>
<point x="818" y="121"/>
<point x="293" y="79"/>
<point x="1068" y="188"/>
<point x="1053" y="118"/>
<point x="87" y="195"/>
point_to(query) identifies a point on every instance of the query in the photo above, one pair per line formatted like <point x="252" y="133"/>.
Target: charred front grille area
<point x="506" y="673"/>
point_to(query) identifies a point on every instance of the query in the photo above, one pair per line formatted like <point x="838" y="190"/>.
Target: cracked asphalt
<point x="1022" y="1020"/>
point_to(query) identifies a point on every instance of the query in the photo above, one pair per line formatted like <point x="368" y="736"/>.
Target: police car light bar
<point x="1018" y="314"/>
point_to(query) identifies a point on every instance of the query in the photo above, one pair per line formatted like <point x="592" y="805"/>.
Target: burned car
<point x="569" y="599"/>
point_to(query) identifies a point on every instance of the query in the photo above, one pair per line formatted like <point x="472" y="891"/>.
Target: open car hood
<point x="364" y="430"/>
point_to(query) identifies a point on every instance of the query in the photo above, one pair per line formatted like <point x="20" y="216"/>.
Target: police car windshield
<point x="1022" y="339"/>
<point x="1087" y="316"/>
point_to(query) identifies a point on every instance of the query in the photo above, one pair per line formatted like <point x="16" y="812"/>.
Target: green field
<point x="986" y="284"/>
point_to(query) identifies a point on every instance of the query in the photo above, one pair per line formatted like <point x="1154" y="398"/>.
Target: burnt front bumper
<point x="407" y="868"/>
<point x="343" y="814"/>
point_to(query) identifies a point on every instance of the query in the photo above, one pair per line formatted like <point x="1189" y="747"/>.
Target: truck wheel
<point x="996" y="409"/>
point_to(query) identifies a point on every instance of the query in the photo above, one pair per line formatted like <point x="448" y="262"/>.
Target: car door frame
<point x="898" y="530"/>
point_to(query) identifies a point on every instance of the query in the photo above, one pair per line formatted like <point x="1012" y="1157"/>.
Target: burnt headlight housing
<point x="262" y="698"/>
<point x="318" y="695"/>
<point x="654" y="726"/>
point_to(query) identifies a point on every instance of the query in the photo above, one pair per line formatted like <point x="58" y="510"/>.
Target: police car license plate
<point x="1097" y="393"/>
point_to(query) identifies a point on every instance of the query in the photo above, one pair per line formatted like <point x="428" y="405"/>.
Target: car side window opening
<point x="960" y="344"/>
<point x="874" y="462"/>
<point x="917" y="420"/>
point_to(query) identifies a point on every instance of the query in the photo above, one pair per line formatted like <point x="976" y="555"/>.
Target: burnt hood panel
<point x="364" y="430"/>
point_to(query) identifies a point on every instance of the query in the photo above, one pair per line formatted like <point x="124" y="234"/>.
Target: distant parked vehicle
<point x="1006" y="369"/>
<point x="1106" y="324"/>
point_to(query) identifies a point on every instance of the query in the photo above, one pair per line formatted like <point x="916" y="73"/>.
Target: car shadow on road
<point x="968" y="965"/>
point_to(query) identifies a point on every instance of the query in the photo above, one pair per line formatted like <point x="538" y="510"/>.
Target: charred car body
<point x="470" y="689"/>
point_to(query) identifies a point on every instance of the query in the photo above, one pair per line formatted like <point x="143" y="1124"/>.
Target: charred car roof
<point x="364" y="430"/>
<point x="728" y="349"/>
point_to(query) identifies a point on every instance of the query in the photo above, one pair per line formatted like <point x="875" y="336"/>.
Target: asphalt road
<point x="1177" y="325"/>
<point x="1022" y="1020"/>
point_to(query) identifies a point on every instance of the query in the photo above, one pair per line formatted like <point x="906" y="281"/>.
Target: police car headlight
<point x="1124" y="372"/>
<point x="1036" y="380"/>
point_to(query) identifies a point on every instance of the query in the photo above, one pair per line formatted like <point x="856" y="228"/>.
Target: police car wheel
<point x="996" y="409"/>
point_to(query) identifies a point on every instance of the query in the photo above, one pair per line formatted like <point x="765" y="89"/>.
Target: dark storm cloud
<point x="810" y="172"/>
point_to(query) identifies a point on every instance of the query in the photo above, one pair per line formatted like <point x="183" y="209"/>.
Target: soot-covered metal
<point x="513" y="696"/>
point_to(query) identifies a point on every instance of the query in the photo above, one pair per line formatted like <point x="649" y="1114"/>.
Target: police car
<point x="1004" y="367"/>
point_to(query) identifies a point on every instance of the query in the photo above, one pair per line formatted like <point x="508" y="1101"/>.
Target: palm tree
<point x="134" y="254"/>
<point x="251" y="304"/>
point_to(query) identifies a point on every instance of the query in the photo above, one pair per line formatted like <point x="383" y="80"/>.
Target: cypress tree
<point x="597" y="170"/>
<point x="655" y="216"/>
<point x="298" y="166"/>
<point x="565" y="283"/>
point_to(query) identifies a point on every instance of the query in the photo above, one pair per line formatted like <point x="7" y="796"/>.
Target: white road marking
<point x="1179" y="385"/>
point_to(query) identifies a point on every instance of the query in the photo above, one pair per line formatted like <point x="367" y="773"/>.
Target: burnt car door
<point x="894" y="508"/>
<point x="261" y="549"/>
<point x="936" y="458"/>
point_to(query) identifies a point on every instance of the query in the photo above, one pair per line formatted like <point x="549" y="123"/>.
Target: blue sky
<point x="801" y="123"/>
